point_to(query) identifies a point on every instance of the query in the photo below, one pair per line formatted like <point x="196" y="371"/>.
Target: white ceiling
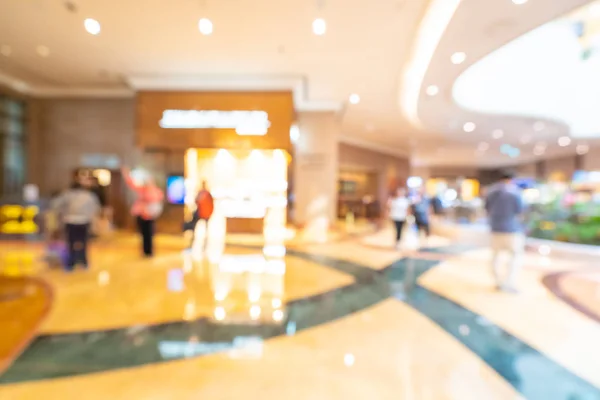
<point x="269" y="44"/>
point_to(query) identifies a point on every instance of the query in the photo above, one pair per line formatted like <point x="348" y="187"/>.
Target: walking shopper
<point x="77" y="207"/>
<point x="146" y="208"/>
<point x="204" y="209"/>
<point x="398" y="207"/>
<point x="504" y="206"/>
<point x="421" y="209"/>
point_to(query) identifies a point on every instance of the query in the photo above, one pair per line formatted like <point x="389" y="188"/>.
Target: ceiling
<point x="385" y="51"/>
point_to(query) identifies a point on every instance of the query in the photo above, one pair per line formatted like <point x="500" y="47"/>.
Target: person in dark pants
<point x="77" y="207"/>
<point x="147" y="207"/>
<point x="421" y="210"/>
<point x="398" y="207"/>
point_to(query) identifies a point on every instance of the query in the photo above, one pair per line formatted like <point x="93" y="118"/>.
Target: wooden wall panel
<point x="150" y="107"/>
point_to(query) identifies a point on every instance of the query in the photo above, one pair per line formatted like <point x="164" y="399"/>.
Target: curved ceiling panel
<point x="550" y="73"/>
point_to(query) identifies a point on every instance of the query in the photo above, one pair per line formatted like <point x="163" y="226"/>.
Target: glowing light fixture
<point x="354" y="98"/>
<point x="469" y="127"/>
<point x="432" y="90"/>
<point x="319" y="26"/>
<point x="437" y="17"/>
<point x="458" y="58"/>
<point x="92" y="26"/>
<point x="582" y="149"/>
<point x="278" y="315"/>
<point x="519" y="2"/>
<point x="255" y="312"/>
<point x="564" y="141"/>
<point x="294" y="133"/>
<point x="498" y="134"/>
<point x="219" y="313"/>
<point x="205" y="26"/>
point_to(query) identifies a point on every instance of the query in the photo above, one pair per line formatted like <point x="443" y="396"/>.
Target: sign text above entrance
<point x="248" y="123"/>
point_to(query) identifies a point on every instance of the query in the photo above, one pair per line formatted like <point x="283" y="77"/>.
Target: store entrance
<point x="358" y="193"/>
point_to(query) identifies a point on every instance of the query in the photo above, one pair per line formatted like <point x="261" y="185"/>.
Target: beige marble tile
<point x="386" y="352"/>
<point x="535" y="316"/>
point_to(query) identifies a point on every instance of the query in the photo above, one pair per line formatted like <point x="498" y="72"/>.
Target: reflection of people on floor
<point x="421" y="209"/>
<point x="504" y="206"/>
<point x="146" y="208"/>
<point x="78" y="207"/>
<point x="398" y="208"/>
<point x="205" y="206"/>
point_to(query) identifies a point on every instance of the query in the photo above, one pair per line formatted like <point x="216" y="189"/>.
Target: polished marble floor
<point x="353" y="318"/>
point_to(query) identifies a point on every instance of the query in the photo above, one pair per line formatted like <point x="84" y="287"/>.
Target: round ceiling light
<point x="354" y="98"/>
<point x="582" y="149"/>
<point x="539" y="126"/>
<point x="205" y="26"/>
<point x="519" y="2"/>
<point x="498" y="134"/>
<point x="432" y="90"/>
<point x="458" y="58"/>
<point x="564" y="141"/>
<point x="319" y="26"/>
<point x="469" y="127"/>
<point x="92" y="26"/>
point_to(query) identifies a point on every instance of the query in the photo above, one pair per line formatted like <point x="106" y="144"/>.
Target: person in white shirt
<point x="398" y="208"/>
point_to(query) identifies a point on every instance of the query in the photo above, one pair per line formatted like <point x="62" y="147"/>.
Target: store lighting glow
<point x="276" y="303"/>
<point x="354" y="98"/>
<point x="469" y="127"/>
<point x="564" y="141"/>
<point x="458" y="58"/>
<point x="92" y="26"/>
<point x="205" y="26"/>
<point x="432" y="90"/>
<point x="519" y="2"/>
<point x="498" y="134"/>
<point x="255" y="312"/>
<point x="319" y="26"/>
<point x="277" y="315"/>
<point x="219" y="313"/>
<point x="294" y="133"/>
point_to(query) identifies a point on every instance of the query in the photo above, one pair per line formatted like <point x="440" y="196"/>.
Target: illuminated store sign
<point x="250" y="123"/>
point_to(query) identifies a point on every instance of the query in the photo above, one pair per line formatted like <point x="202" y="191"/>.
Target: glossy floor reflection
<point x="338" y="320"/>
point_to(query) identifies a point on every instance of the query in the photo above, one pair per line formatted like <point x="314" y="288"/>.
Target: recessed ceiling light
<point x="582" y="149"/>
<point x="5" y="50"/>
<point x="498" y="134"/>
<point x="520" y="2"/>
<point x="205" y="26"/>
<point x="564" y="141"/>
<point x="432" y="90"/>
<point x="354" y="98"/>
<point x="92" y="26"/>
<point x="526" y="139"/>
<point x="539" y="126"/>
<point x="469" y="127"/>
<point x="43" y="51"/>
<point x="319" y="26"/>
<point x="458" y="58"/>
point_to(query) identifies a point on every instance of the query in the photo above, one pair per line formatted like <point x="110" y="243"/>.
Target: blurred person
<point x="398" y="209"/>
<point x="77" y="207"/>
<point x="504" y="206"/>
<point x="146" y="208"/>
<point x="421" y="209"/>
<point x="56" y="248"/>
<point x="205" y="206"/>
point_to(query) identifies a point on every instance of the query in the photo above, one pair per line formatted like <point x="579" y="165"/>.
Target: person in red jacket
<point x="205" y="206"/>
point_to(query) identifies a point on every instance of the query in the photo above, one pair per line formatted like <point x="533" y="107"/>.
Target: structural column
<point x="316" y="173"/>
